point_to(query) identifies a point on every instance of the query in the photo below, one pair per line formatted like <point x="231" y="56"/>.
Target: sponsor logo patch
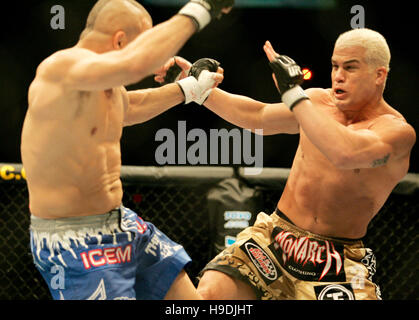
<point x="261" y="260"/>
<point x="334" y="292"/>
<point x="308" y="259"/>
<point x="106" y="256"/>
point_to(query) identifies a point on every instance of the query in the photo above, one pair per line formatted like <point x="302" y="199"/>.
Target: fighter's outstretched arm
<point x="82" y="69"/>
<point x="239" y="110"/>
<point x="251" y="114"/>
<point x="143" y="105"/>
<point x="92" y="71"/>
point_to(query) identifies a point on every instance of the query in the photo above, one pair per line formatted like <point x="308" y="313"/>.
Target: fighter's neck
<point x="364" y="112"/>
<point x="95" y="42"/>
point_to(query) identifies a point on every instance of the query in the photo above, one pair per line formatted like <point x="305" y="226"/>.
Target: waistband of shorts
<point x="284" y="219"/>
<point x="112" y="217"/>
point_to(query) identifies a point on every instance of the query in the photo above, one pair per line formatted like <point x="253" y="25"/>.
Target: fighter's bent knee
<point x="182" y="289"/>
<point x="216" y="285"/>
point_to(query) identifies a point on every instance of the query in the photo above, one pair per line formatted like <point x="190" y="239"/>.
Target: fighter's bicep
<point x="92" y="71"/>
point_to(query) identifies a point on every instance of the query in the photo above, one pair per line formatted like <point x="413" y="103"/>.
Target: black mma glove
<point x="172" y="74"/>
<point x="289" y="76"/>
<point x="202" y="11"/>
<point x="203" y="64"/>
<point x="200" y="82"/>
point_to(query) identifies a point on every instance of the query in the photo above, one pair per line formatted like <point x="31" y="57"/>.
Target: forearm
<point x="149" y="103"/>
<point x="236" y="109"/>
<point x="251" y="114"/>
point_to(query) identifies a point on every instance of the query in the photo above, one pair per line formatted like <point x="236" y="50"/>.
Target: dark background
<point x="307" y="35"/>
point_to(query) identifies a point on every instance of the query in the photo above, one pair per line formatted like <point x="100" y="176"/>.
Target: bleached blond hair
<point x="377" y="51"/>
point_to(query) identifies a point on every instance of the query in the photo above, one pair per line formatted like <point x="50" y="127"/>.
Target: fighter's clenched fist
<point x="202" y="11"/>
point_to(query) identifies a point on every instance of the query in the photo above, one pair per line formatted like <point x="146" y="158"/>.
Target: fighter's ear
<point x="381" y="75"/>
<point x="119" y="40"/>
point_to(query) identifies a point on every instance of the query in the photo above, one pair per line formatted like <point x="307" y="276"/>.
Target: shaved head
<point x="109" y="16"/>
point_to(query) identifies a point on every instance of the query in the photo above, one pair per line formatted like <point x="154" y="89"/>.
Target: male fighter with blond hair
<point x="354" y="148"/>
<point x="70" y="149"/>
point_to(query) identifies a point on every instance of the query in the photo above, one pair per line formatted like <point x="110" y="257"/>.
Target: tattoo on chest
<point x="380" y="162"/>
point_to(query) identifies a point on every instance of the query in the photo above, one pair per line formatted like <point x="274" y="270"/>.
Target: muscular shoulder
<point x="55" y="66"/>
<point x="319" y="95"/>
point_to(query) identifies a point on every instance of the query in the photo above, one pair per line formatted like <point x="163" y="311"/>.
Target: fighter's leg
<point x="216" y="285"/>
<point x="183" y="289"/>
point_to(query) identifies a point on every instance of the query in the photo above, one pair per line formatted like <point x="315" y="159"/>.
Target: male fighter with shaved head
<point x="354" y="148"/>
<point x="71" y="153"/>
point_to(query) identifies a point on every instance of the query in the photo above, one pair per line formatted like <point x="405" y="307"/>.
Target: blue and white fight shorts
<point x="115" y="255"/>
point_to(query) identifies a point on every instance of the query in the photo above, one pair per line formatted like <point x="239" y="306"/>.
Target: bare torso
<point x="336" y="202"/>
<point x="71" y="150"/>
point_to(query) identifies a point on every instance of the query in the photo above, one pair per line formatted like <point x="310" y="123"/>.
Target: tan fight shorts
<point x="283" y="262"/>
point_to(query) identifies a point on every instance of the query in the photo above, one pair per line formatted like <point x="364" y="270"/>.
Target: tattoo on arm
<point x="380" y="162"/>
